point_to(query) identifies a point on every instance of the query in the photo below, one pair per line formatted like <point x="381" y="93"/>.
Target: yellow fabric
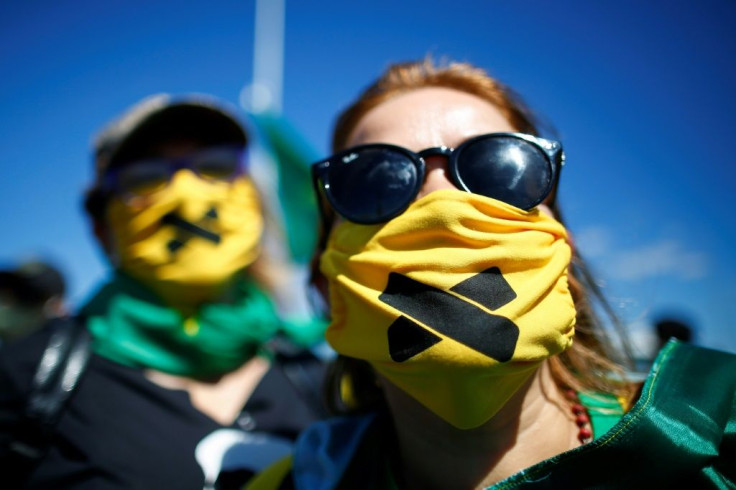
<point x="441" y="240"/>
<point x="272" y="477"/>
<point x="156" y="252"/>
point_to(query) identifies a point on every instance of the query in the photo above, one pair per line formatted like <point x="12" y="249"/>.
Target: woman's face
<point x="430" y="117"/>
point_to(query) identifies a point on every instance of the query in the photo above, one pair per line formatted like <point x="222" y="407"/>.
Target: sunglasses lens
<point x="217" y="163"/>
<point x="144" y="177"/>
<point x="509" y="169"/>
<point x="372" y="185"/>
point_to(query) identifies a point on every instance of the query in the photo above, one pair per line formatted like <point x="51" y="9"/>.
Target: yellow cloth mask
<point x="191" y="233"/>
<point x="456" y="301"/>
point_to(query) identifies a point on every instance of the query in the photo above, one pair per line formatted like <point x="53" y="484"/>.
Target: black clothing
<point x="120" y="430"/>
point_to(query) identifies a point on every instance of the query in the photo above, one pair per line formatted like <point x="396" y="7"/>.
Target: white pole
<point x="265" y="92"/>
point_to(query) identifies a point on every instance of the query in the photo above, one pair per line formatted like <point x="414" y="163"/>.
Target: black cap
<point x="155" y="119"/>
<point x="161" y="117"/>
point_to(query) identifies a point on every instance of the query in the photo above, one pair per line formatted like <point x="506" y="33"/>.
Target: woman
<point x="470" y="353"/>
<point x="186" y="386"/>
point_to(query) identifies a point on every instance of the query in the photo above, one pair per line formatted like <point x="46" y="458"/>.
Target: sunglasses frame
<point x="320" y="170"/>
<point x="111" y="182"/>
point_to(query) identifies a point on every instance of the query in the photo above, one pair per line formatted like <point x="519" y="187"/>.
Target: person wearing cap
<point x="30" y="294"/>
<point x="194" y="381"/>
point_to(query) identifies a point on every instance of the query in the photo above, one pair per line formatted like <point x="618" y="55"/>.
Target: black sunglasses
<point x="147" y="176"/>
<point x="374" y="183"/>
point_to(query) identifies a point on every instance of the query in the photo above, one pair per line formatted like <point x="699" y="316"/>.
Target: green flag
<point x="292" y="154"/>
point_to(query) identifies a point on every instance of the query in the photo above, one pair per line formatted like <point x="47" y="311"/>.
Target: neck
<point x="534" y="425"/>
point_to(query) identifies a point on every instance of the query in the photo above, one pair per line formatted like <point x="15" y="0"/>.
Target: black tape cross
<point x="190" y="229"/>
<point x="492" y="335"/>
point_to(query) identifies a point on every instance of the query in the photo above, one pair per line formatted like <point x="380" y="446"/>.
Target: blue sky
<point x="640" y="94"/>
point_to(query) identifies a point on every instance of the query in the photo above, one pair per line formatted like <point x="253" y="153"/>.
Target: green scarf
<point x="130" y="325"/>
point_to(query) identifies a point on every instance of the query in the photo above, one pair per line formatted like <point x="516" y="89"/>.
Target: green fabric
<point x="131" y="326"/>
<point x="293" y="155"/>
<point x="306" y="332"/>
<point x="681" y="433"/>
<point x="605" y="411"/>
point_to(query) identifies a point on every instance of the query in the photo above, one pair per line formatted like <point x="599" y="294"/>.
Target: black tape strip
<point x="491" y="335"/>
<point x="175" y="220"/>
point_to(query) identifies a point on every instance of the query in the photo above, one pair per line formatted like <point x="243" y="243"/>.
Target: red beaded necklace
<point x="582" y="418"/>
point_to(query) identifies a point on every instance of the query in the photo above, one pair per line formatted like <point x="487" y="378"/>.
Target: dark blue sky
<point x="639" y="93"/>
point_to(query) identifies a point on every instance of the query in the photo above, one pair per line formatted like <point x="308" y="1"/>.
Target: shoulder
<point x="691" y="386"/>
<point x="286" y="354"/>
<point x="714" y="368"/>
<point x="289" y="396"/>
<point x="304" y="371"/>
<point x="685" y="413"/>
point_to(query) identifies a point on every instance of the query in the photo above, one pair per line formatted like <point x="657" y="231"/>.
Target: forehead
<point x="427" y="117"/>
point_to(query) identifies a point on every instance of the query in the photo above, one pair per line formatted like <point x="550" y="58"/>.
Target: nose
<point x="436" y="176"/>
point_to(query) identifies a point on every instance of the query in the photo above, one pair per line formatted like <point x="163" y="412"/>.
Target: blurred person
<point x="647" y="343"/>
<point x="30" y="295"/>
<point x="194" y="380"/>
<point x="471" y="351"/>
<point x="669" y="327"/>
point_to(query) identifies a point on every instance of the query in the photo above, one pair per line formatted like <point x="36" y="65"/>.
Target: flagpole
<point x="280" y="167"/>
<point x="265" y="93"/>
